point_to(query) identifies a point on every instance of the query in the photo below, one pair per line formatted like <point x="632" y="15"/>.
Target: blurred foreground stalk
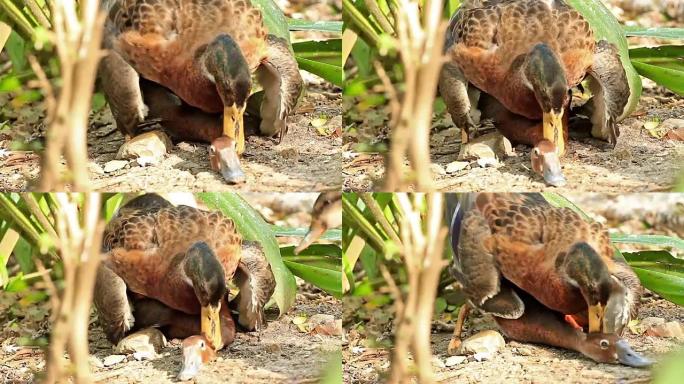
<point x="77" y="37"/>
<point x="420" y="45"/>
<point x="78" y="239"/>
<point x="422" y="243"/>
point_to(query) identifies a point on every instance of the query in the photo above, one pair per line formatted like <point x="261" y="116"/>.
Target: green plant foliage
<point x="329" y="235"/>
<point x="660" y="272"/>
<point x="274" y="19"/>
<point x="320" y="26"/>
<point x="661" y="33"/>
<point x="253" y="227"/>
<point x="322" y="58"/>
<point x="320" y="265"/>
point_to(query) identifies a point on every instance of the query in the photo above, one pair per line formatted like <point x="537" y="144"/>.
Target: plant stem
<point x="360" y="21"/>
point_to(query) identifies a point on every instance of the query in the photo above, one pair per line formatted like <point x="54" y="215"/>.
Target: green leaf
<point x="440" y="305"/>
<point x="670" y="78"/>
<point x="655" y="240"/>
<point x="321" y="25"/>
<point x="320" y="265"/>
<point x="331" y="73"/>
<point x="660" y="272"/>
<point x="324" y="51"/>
<point x="253" y="227"/>
<point x="334" y="234"/>
<point x="274" y="19"/>
<point x="606" y="26"/>
<point x="663" y="33"/>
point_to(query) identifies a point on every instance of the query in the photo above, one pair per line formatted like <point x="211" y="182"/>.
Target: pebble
<point x="455" y="360"/>
<point x="456" y="166"/>
<point x="488" y="341"/>
<point x="437" y="169"/>
<point x="524" y="352"/>
<point x="113" y="360"/>
<point x="95" y="361"/>
<point x="672" y="329"/>
<point x="482" y="356"/>
<point x="114" y="165"/>
<point x="150" y="147"/>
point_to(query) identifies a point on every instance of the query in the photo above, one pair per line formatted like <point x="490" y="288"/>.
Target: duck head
<point x="609" y="348"/>
<point x="209" y="283"/>
<point x="226" y="66"/>
<point x="545" y="74"/>
<point x="197" y="351"/>
<point x="545" y="162"/>
<point x="223" y="157"/>
<point x="586" y="270"/>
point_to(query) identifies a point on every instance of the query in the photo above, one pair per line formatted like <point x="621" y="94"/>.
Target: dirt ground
<point x="307" y="160"/>
<point x="366" y="362"/>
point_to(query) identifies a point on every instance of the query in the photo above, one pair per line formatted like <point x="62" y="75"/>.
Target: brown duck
<point x="168" y="266"/>
<point x="205" y="52"/>
<point x="528" y="54"/>
<point x="538" y="269"/>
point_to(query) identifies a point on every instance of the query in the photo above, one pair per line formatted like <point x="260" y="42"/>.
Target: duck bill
<point x="553" y="175"/>
<point x="553" y="129"/>
<point x="628" y="357"/>
<point x="595" y="317"/>
<point x="192" y="362"/>
<point x="314" y="233"/>
<point x="233" y="125"/>
<point x="211" y="325"/>
<point x="229" y="166"/>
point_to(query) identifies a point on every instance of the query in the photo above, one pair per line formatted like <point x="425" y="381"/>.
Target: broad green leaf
<point x="253" y="227"/>
<point x="670" y="78"/>
<point x="274" y="19"/>
<point x="324" y="51"/>
<point x="331" y="73"/>
<point x="320" y="265"/>
<point x="16" y="49"/>
<point x="606" y="26"/>
<point x="660" y="272"/>
<point x="669" y="56"/>
<point x="330" y="234"/>
<point x="671" y="370"/>
<point x="321" y="25"/>
<point x="654" y="240"/>
<point x="663" y="33"/>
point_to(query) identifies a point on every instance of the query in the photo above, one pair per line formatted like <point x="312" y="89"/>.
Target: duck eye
<point x="201" y="344"/>
<point x="212" y="149"/>
<point x="604" y="344"/>
<point x="536" y="151"/>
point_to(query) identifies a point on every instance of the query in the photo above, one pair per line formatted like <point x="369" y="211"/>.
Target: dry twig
<point x="420" y="46"/>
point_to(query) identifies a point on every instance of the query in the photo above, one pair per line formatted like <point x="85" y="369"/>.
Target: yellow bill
<point x="553" y="130"/>
<point x="233" y="125"/>
<point x="211" y="325"/>
<point x="595" y="318"/>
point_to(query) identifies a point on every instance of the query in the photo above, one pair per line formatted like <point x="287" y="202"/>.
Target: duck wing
<point x="256" y="282"/>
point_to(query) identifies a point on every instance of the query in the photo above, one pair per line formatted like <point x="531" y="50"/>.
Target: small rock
<point x="272" y="347"/>
<point x="150" y="146"/>
<point x="113" y="360"/>
<point x="455" y="360"/>
<point x="487" y="162"/>
<point x="95" y="362"/>
<point x="672" y="329"/>
<point x="524" y="352"/>
<point x="456" y="166"/>
<point x="323" y="324"/>
<point x="144" y="344"/>
<point x="488" y="341"/>
<point x="95" y="168"/>
<point x="437" y="362"/>
<point x="114" y="165"/>
<point x="437" y="169"/>
<point x="482" y="356"/>
<point x="491" y="145"/>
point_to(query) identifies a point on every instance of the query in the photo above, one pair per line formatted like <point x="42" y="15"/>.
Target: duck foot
<point x="146" y="148"/>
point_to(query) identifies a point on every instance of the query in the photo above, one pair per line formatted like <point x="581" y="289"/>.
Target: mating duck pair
<point x="543" y="273"/>
<point x="205" y="53"/>
<point x="169" y="266"/>
<point x="524" y="57"/>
